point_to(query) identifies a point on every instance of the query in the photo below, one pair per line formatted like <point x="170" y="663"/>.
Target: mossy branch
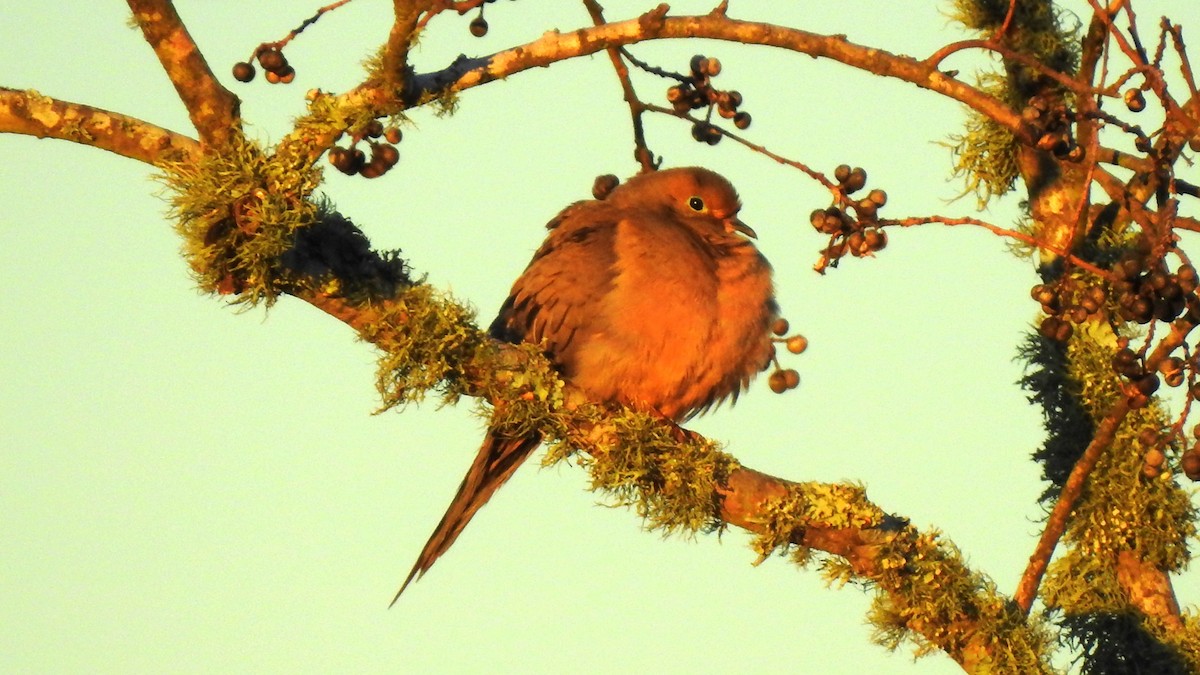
<point x="681" y="483"/>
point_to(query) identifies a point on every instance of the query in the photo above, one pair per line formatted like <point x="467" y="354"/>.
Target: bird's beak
<point x="735" y="225"/>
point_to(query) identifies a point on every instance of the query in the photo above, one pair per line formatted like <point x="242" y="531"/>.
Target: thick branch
<point x="654" y="25"/>
<point x="1149" y="589"/>
<point x="466" y="73"/>
<point x="860" y="533"/>
<point x="30" y="113"/>
<point x="212" y="108"/>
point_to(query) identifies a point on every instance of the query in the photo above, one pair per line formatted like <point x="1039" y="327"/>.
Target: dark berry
<point x="271" y="60"/>
<point x="243" y="72"/>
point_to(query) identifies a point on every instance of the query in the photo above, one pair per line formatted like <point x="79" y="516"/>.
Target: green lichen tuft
<point x="671" y="485"/>
<point x="425" y="338"/>
<point x="237" y="212"/>
<point x="930" y="597"/>
<point x="828" y="505"/>
<point x="1123" y="509"/>
<point x="985" y="156"/>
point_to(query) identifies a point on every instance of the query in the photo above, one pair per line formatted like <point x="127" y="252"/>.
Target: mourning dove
<point x="652" y="297"/>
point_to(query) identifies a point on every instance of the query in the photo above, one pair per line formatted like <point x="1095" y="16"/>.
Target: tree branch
<point x="655" y="25"/>
<point x="875" y="546"/>
<point x="30" y="113"/>
<point x="213" y="109"/>
<point x="312" y="136"/>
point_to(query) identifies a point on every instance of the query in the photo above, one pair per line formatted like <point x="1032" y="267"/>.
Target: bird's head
<point x="697" y="197"/>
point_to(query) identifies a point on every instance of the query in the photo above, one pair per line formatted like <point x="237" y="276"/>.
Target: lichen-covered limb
<point x="30" y="113"/>
<point x="212" y="108"/>
<point x="927" y="594"/>
<point x="1073" y="490"/>
<point x="1149" y="589"/>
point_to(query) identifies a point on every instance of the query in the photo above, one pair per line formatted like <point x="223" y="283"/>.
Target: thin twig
<point x="812" y="173"/>
<point x="1000" y="232"/>
<point x="641" y="151"/>
<point x="280" y="44"/>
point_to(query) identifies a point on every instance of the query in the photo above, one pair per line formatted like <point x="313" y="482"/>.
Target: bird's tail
<point x="498" y="458"/>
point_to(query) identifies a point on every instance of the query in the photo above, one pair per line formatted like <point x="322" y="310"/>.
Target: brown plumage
<point x="652" y="297"/>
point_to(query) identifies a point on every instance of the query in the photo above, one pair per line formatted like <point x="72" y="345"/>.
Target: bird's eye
<point x="696" y="203"/>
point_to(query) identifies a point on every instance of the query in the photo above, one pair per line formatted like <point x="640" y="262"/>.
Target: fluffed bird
<point x="654" y="297"/>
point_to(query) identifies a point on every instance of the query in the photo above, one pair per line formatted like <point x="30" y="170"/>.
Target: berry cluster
<point x="384" y="154"/>
<point x="860" y="234"/>
<point x="1053" y="120"/>
<point x="276" y="65"/>
<point x="1066" y="302"/>
<point x="1146" y="290"/>
<point x="1128" y="364"/>
<point x="696" y="91"/>
<point x="782" y="379"/>
<point x="1154" y="459"/>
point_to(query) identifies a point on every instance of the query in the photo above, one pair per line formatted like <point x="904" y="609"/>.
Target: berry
<point x="706" y="133"/>
<point x="841" y="173"/>
<point x="1135" y="100"/>
<point x="797" y="344"/>
<point x="1154" y="457"/>
<point x="271" y="60"/>
<point x="1148" y="384"/>
<point x="856" y="180"/>
<point x="393" y="135"/>
<point x="741" y="120"/>
<point x="479" y="26"/>
<point x="780" y="326"/>
<point x="386" y="154"/>
<point x="778" y="382"/>
<point x="1191" y="464"/>
<point x="243" y="72"/>
<point x="791" y="378"/>
<point x="343" y="160"/>
<point x="287" y="74"/>
<point x="876" y="239"/>
<point x="604" y="185"/>
<point x="374" y="168"/>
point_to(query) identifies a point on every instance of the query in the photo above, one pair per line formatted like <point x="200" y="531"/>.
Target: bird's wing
<point x="558" y="294"/>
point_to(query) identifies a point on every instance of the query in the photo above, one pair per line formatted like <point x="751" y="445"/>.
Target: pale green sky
<point x="184" y="488"/>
